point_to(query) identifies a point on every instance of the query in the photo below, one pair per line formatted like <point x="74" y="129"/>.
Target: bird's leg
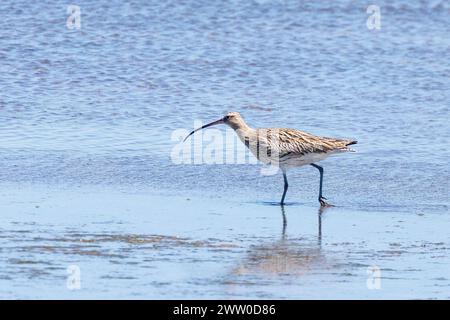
<point x="285" y="187"/>
<point x="322" y="199"/>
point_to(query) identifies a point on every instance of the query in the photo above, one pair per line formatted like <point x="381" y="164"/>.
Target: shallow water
<point x="86" y="174"/>
<point x="135" y="245"/>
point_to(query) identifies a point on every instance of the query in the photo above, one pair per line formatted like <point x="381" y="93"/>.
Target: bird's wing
<point x="290" y="141"/>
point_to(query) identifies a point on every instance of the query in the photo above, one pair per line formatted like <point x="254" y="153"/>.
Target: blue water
<point x="96" y="108"/>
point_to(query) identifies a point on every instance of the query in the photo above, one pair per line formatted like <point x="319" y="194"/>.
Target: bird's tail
<point x="349" y="144"/>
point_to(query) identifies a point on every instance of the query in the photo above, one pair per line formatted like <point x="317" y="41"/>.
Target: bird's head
<point x="232" y="119"/>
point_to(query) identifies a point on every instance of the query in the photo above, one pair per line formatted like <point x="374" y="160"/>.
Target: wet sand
<point x="144" y="245"/>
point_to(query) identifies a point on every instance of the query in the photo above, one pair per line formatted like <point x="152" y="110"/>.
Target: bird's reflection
<point x="295" y="256"/>
<point x="283" y="214"/>
<point x="319" y="224"/>
<point x="319" y="233"/>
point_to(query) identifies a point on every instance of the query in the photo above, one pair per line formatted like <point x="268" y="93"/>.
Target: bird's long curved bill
<point x="203" y="127"/>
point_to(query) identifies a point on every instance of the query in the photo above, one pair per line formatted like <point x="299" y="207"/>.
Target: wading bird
<point x="284" y="148"/>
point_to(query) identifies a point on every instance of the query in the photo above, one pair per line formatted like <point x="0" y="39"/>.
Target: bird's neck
<point x="244" y="131"/>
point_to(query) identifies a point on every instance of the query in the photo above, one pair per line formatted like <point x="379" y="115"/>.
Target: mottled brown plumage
<point x="285" y="148"/>
<point x="299" y="143"/>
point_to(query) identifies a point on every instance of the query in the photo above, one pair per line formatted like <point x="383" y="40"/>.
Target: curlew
<point x="284" y="148"/>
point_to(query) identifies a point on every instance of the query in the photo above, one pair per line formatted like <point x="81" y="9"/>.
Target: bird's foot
<point x="323" y="203"/>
